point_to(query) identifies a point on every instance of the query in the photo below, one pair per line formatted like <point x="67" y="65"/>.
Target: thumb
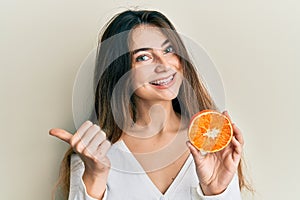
<point x="61" y="134"/>
<point x="197" y="155"/>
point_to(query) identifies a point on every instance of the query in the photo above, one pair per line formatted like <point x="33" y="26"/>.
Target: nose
<point x="162" y="64"/>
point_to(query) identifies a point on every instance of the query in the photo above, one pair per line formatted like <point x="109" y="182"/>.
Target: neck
<point x="147" y="135"/>
<point x="157" y="113"/>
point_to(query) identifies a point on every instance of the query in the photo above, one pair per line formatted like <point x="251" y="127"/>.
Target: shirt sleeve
<point x="77" y="186"/>
<point x="232" y="192"/>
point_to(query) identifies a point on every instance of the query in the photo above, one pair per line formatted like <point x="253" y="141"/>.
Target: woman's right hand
<point x="90" y="143"/>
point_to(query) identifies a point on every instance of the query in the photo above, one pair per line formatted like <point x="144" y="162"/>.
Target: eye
<point x="169" y="49"/>
<point x="142" y="58"/>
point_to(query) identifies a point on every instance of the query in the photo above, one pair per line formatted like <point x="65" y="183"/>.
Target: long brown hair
<point x="114" y="60"/>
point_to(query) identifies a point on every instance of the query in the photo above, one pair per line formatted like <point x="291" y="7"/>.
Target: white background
<point x="255" y="45"/>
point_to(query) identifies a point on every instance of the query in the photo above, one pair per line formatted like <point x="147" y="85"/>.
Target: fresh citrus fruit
<point x="210" y="131"/>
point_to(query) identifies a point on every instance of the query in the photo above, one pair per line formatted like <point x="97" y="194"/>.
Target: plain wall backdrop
<point x="254" y="44"/>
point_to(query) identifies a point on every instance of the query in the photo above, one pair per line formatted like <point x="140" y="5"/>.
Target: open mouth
<point x="163" y="81"/>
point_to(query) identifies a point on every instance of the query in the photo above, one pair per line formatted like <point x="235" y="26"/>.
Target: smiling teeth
<point x="164" y="81"/>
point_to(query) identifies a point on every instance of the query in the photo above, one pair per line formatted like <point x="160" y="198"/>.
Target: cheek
<point x="176" y="62"/>
<point x="144" y="92"/>
<point x="180" y="69"/>
<point x="142" y="73"/>
<point x="139" y="78"/>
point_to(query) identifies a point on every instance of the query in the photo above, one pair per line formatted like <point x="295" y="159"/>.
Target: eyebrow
<point x="148" y="48"/>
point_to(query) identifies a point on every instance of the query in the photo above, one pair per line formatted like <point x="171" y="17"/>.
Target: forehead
<point x="146" y="36"/>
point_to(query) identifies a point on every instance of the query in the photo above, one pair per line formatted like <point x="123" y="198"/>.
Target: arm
<point x="78" y="188"/>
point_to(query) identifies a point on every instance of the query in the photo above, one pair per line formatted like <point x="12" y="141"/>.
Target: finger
<point x="61" y="134"/>
<point x="227" y="115"/>
<point x="79" y="133"/>
<point x="80" y="143"/>
<point x="237" y="154"/>
<point x="84" y="127"/>
<point x="89" y="134"/>
<point x="238" y="134"/>
<point x="79" y="147"/>
<point x="237" y="146"/>
<point x="96" y="141"/>
<point x="102" y="149"/>
<point x="195" y="153"/>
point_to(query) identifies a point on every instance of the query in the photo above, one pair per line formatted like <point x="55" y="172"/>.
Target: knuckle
<point x="86" y="152"/>
<point x="73" y="141"/>
<point x="100" y="154"/>
<point x="79" y="147"/>
<point x="88" y="122"/>
<point x="108" y="143"/>
<point x="101" y="137"/>
<point x="96" y="127"/>
<point x="103" y="133"/>
<point x="95" y="159"/>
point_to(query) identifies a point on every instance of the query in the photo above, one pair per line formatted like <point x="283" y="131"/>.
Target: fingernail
<point x="188" y="143"/>
<point x="203" y="153"/>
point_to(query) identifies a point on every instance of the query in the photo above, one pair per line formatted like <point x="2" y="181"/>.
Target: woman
<point x="142" y="65"/>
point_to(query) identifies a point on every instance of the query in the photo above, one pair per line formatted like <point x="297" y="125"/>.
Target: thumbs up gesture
<point x="91" y="144"/>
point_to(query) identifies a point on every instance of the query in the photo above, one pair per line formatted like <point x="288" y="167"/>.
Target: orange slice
<point x="210" y="131"/>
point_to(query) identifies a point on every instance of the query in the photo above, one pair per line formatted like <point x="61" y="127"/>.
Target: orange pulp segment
<point x="210" y="131"/>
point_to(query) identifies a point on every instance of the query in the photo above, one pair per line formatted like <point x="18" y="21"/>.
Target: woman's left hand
<point x="216" y="170"/>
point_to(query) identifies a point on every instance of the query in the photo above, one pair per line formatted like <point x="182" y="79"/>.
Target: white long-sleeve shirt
<point x="123" y="184"/>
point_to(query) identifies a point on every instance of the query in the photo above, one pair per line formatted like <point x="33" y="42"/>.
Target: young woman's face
<point x="157" y="69"/>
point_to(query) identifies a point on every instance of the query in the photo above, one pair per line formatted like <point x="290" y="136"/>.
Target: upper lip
<point x="163" y="77"/>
